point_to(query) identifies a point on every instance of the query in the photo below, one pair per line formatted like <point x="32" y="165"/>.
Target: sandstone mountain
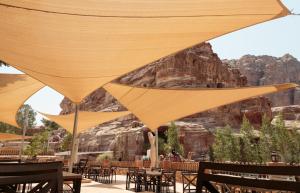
<point x="264" y="70"/>
<point x="198" y="66"/>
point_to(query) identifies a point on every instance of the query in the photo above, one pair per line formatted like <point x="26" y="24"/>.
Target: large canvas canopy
<point x="77" y="46"/>
<point x="12" y="137"/>
<point x="86" y="120"/>
<point x="15" y="89"/>
<point x="155" y="107"/>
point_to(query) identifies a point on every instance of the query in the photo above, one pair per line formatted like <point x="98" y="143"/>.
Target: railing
<point x="123" y="164"/>
<point x="185" y="166"/>
<point x="9" y="151"/>
<point x="178" y="166"/>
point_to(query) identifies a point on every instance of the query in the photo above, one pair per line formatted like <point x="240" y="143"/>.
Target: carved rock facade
<point x="195" y="67"/>
<point x="265" y="70"/>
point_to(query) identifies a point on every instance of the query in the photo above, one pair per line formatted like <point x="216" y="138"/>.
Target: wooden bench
<point x="249" y="176"/>
<point x="41" y="177"/>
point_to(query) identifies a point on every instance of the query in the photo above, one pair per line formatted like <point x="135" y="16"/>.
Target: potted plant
<point x="105" y="159"/>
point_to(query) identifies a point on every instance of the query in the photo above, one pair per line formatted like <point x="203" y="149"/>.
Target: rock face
<point x="194" y="67"/>
<point x="264" y="70"/>
<point x="291" y="116"/>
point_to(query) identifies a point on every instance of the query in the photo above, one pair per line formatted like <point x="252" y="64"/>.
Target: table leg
<point x="158" y="184"/>
<point x="77" y="185"/>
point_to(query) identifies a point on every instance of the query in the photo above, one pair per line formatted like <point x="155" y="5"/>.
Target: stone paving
<point x="119" y="186"/>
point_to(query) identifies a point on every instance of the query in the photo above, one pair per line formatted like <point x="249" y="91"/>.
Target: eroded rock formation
<point x="291" y="116"/>
<point x="194" y="67"/>
<point x="265" y="70"/>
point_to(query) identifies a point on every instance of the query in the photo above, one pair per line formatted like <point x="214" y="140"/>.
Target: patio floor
<point x="119" y="186"/>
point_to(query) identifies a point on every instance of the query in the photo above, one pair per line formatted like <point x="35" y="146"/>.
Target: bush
<point x="104" y="156"/>
<point x="38" y="144"/>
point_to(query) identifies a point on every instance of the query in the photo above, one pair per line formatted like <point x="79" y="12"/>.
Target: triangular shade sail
<point x="77" y="46"/>
<point x="15" y="89"/>
<point x="12" y="137"/>
<point x="155" y="107"/>
<point x="86" y="120"/>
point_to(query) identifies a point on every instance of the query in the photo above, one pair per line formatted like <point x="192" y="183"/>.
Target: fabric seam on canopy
<point x="285" y="11"/>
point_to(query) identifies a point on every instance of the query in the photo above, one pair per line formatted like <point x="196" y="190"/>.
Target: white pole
<point x="74" y="141"/>
<point x="25" y="125"/>
<point x="156" y="143"/>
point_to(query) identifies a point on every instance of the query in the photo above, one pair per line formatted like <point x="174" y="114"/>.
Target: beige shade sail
<point x="15" y="89"/>
<point x="155" y="107"/>
<point x="86" y="120"/>
<point x="77" y="46"/>
<point x="12" y="137"/>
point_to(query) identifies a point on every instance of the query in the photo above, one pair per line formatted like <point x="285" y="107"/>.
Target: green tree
<point x="285" y="142"/>
<point x="25" y="113"/>
<point x="26" y="117"/>
<point x="6" y="128"/>
<point x="161" y="145"/>
<point x="293" y="144"/>
<point x="173" y="140"/>
<point x="66" y="143"/>
<point x="252" y="148"/>
<point x="249" y="150"/>
<point x="38" y="144"/>
<point x="219" y="146"/>
<point x="50" y="125"/>
<point x="211" y="153"/>
<point x="264" y="140"/>
<point x="226" y="146"/>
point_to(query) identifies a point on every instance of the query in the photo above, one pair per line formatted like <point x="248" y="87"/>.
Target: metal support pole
<point x="156" y="144"/>
<point x="74" y="140"/>
<point x="25" y="125"/>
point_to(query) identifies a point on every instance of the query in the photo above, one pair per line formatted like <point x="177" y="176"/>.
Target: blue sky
<point x="275" y="38"/>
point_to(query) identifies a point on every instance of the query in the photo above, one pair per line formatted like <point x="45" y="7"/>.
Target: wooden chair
<point x="189" y="180"/>
<point x="105" y="175"/>
<point x="221" y="174"/>
<point x="168" y="179"/>
<point x="81" y="167"/>
<point x="113" y="173"/>
<point x="44" y="177"/>
<point x="93" y="170"/>
<point x="131" y="177"/>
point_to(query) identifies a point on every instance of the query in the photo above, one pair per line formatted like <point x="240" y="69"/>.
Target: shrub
<point x="104" y="156"/>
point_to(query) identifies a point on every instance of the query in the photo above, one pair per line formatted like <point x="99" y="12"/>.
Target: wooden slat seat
<point x="222" y="173"/>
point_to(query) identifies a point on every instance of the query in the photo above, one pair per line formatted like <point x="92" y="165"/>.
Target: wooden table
<point x="157" y="176"/>
<point x="75" y="178"/>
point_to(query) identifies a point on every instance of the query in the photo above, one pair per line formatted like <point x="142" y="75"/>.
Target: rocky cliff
<point x="264" y="70"/>
<point x="290" y="114"/>
<point x="195" y="67"/>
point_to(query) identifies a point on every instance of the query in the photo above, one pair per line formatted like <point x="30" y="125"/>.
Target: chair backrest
<point x="81" y="166"/>
<point x="248" y="176"/>
<point x="83" y="162"/>
<point x="46" y="177"/>
<point x="169" y="176"/>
